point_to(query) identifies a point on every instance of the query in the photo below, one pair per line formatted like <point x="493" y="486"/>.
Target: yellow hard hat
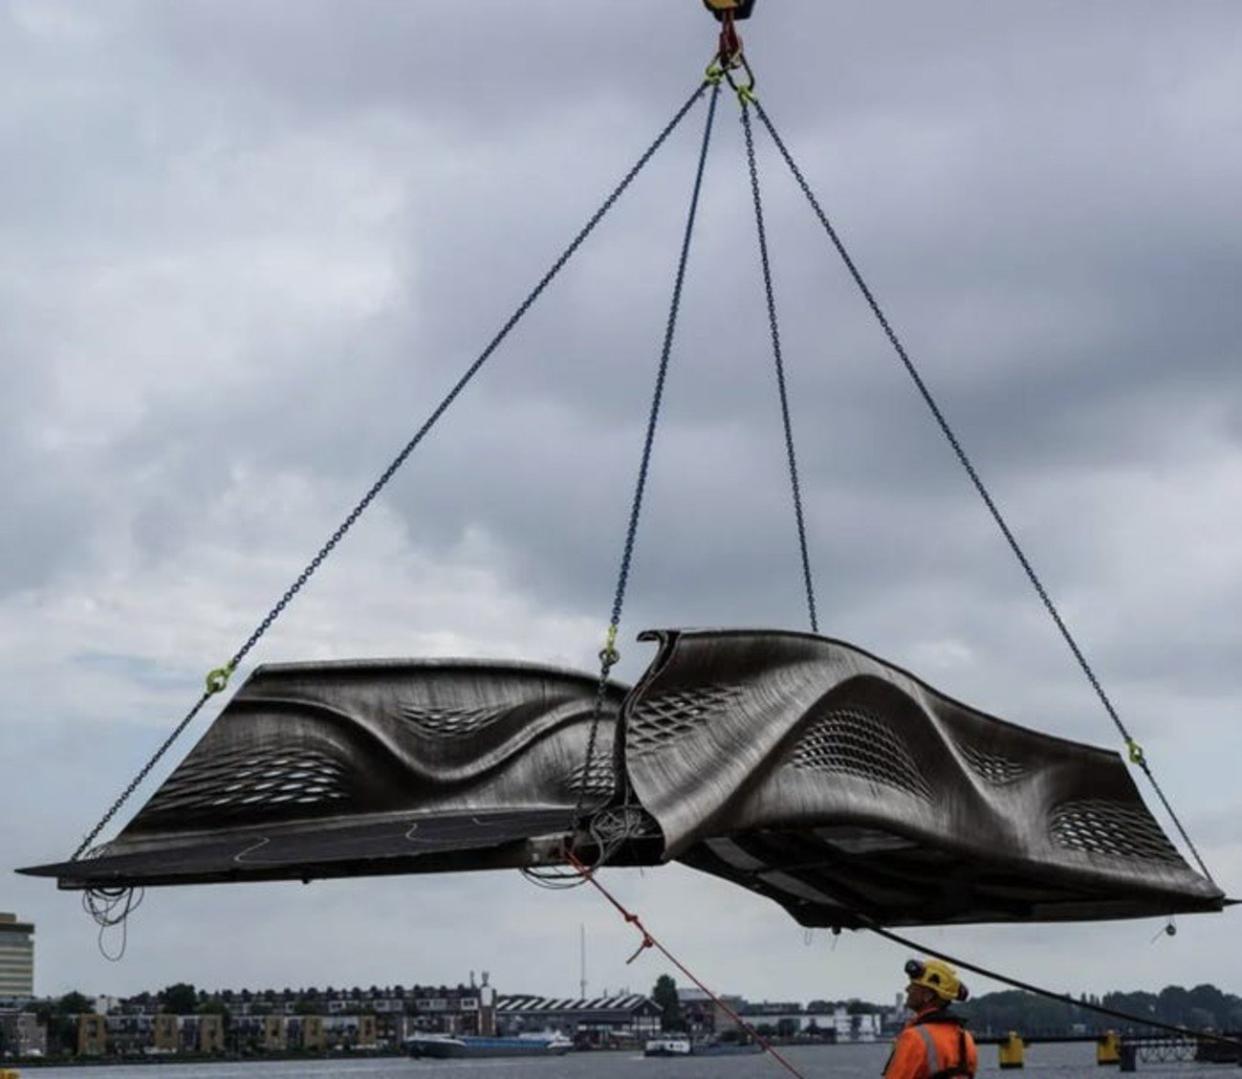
<point x="939" y="977"/>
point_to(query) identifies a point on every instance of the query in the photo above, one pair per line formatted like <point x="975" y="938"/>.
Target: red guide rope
<point x="650" y="941"/>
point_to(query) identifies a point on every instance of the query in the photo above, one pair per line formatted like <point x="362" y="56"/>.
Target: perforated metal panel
<point x="264" y="780"/>
<point x="994" y="767"/>
<point x="666" y="717"/>
<point x="597" y="781"/>
<point x="849" y="741"/>
<point x="1100" y="827"/>
<point x="450" y="722"/>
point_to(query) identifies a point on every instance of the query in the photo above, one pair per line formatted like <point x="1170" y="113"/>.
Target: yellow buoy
<point x="1012" y="1050"/>
<point x="1108" y="1048"/>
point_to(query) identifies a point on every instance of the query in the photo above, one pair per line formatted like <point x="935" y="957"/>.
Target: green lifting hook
<point x="739" y="9"/>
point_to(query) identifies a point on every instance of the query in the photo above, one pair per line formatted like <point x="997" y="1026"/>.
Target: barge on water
<point x="452" y="1046"/>
<point x="683" y="1047"/>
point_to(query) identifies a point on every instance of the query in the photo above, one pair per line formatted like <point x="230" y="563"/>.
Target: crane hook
<point x="738" y="9"/>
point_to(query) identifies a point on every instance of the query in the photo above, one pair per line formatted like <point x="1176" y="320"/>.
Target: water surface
<point x="818" y="1062"/>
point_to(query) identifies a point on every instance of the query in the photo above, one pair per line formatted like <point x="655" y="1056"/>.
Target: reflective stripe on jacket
<point x="932" y="1046"/>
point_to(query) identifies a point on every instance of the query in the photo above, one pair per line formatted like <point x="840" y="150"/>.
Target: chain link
<point x="975" y="479"/>
<point x="123" y="797"/>
<point x="400" y="459"/>
<point x="790" y="456"/>
<point x="609" y="655"/>
<point x="504" y="331"/>
<point x="1049" y="994"/>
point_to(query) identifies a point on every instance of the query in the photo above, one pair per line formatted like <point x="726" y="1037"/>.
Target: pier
<point x="1123" y="1050"/>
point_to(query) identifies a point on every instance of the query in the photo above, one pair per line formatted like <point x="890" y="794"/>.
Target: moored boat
<point x="683" y="1047"/>
<point x="451" y="1046"/>
<point x="724" y="1049"/>
<point x="667" y="1047"/>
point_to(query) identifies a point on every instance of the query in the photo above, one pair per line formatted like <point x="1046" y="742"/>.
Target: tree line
<point x="1205" y="1007"/>
<point x="1202" y="1008"/>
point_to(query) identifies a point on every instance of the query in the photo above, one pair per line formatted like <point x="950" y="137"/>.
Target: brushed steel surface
<point x="365" y="767"/>
<point x="815" y="773"/>
<point x="800" y="767"/>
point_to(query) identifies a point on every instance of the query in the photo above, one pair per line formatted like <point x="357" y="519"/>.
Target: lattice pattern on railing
<point x="854" y="742"/>
<point x="450" y="722"/>
<point x="1100" y="827"/>
<point x="994" y="767"/>
<point x="666" y="717"/>
<point x="260" y="781"/>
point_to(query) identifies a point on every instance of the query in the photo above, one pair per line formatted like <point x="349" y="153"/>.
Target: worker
<point x="935" y="1043"/>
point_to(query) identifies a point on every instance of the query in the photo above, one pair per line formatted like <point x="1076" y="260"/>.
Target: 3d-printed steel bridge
<point x="802" y="768"/>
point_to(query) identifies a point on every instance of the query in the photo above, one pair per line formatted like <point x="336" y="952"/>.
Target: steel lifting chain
<point x="745" y="98"/>
<point x="218" y="678"/>
<point x="1133" y="748"/>
<point x="731" y="57"/>
<point x="1049" y="994"/>
<point x="609" y="655"/>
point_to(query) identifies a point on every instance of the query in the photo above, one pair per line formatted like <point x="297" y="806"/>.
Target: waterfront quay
<point x="183" y="1022"/>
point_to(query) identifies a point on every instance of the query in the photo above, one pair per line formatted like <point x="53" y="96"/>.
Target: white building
<point x="862" y="1027"/>
<point x="16" y="957"/>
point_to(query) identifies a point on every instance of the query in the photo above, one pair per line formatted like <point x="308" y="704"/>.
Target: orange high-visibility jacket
<point x="933" y="1045"/>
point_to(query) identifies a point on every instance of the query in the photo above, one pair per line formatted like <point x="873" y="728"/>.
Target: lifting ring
<point x="745" y="93"/>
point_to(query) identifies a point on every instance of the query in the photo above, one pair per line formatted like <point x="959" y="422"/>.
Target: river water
<point x="819" y="1062"/>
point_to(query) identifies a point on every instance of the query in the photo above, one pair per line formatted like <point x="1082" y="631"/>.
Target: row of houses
<point x="239" y="1023"/>
<point x="162" y="1033"/>
<point x="386" y="1000"/>
<point x="626" y="1019"/>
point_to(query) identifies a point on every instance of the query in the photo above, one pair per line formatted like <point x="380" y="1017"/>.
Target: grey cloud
<point x="139" y="669"/>
<point x="288" y="228"/>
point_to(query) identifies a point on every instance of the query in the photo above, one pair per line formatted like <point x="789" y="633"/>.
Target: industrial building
<point x="601" y="1021"/>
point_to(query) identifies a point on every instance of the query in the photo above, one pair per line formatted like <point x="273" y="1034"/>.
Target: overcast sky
<point x="246" y="248"/>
